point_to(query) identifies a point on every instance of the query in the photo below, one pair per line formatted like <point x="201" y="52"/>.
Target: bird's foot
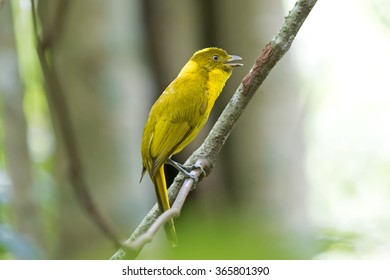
<point x="198" y="165"/>
<point x="186" y="170"/>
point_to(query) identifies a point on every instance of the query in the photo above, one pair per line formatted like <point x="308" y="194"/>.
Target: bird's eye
<point x="215" y="57"/>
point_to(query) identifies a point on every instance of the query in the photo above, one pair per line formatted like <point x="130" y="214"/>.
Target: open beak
<point x="232" y="61"/>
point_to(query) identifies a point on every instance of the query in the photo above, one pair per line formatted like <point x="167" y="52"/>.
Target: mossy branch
<point x="206" y="155"/>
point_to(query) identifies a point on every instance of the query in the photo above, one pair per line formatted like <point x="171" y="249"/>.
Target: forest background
<point x="305" y="173"/>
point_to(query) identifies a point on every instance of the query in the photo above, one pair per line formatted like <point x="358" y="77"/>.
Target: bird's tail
<point x="163" y="202"/>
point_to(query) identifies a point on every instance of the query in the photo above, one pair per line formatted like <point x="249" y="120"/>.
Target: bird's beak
<point x="232" y="61"/>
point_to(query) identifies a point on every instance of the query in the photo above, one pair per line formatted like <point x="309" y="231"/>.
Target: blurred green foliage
<point x="347" y="136"/>
<point x="15" y="246"/>
<point x="40" y="141"/>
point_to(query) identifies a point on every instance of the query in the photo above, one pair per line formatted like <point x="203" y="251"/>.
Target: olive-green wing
<point x="166" y="137"/>
<point x="174" y="117"/>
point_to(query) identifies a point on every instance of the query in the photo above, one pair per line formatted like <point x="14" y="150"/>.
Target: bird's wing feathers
<point x="167" y="136"/>
<point x="171" y="128"/>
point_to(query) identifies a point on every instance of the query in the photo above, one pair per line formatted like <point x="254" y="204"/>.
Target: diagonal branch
<point x="134" y="246"/>
<point x="214" y="142"/>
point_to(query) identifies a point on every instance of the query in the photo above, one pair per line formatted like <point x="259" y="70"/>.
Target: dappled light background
<point x="343" y="63"/>
<point x="304" y="175"/>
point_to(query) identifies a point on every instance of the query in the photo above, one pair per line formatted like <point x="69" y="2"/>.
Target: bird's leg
<point x="180" y="167"/>
<point x="186" y="170"/>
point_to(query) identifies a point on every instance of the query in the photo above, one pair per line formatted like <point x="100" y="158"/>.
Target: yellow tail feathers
<point x="163" y="202"/>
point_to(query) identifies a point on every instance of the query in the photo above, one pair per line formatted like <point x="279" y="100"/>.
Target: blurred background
<point x="304" y="175"/>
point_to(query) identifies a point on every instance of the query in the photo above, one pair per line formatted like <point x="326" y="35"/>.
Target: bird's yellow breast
<point x="202" y="87"/>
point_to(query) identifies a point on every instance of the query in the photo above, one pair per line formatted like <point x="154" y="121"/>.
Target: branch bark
<point x="206" y="155"/>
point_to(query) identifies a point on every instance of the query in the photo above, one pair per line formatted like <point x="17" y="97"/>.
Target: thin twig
<point x="60" y="109"/>
<point x="214" y="142"/>
<point x="134" y="245"/>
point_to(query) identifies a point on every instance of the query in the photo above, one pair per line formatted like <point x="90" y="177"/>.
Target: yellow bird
<point x="179" y="114"/>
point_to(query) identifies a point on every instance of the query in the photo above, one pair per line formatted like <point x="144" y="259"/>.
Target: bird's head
<point x="216" y="58"/>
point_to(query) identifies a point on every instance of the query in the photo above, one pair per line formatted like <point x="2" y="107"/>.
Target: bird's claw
<point x="187" y="170"/>
<point x="199" y="167"/>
